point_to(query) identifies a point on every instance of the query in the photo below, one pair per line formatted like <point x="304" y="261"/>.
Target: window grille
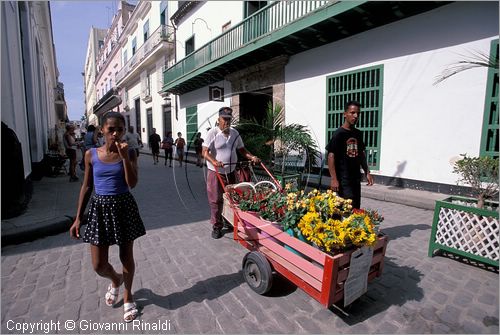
<point x="366" y="87"/>
<point x="489" y="137"/>
<point x="191" y="125"/>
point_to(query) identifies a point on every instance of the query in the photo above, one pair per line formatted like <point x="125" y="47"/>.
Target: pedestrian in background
<point x="90" y="138"/>
<point x="220" y="150"/>
<point x="166" y="145"/>
<point x="100" y="138"/>
<point x="89" y="141"/>
<point x="198" y="146"/>
<point x="154" y="144"/>
<point x="70" y="146"/>
<point x="180" y="143"/>
<point x="346" y="155"/>
<point x="133" y="140"/>
<point x="113" y="216"/>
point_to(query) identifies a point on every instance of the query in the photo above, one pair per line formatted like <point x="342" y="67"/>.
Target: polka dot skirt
<point x="113" y="219"/>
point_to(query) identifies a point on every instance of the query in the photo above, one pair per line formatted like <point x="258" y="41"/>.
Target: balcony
<point x="146" y="95"/>
<point x="283" y="28"/>
<point x="109" y="101"/>
<point x="160" y="38"/>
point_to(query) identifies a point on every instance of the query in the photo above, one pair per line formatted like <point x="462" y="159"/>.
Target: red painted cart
<point x="319" y="274"/>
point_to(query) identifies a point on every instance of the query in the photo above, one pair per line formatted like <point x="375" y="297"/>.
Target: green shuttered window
<point x="191" y="125"/>
<point x="366" y="86"/>
<point x="489" y="137"/>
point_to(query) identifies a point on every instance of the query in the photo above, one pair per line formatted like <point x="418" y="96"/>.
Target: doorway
<point x="149" y="113"/>
<point x="253" y="105"/>
<point x="167" y="118"/>
<point x="137" y="106"/>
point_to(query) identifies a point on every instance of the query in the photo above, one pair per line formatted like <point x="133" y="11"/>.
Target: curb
<point x="42" y="229"/>
<point x="402" y="198"/>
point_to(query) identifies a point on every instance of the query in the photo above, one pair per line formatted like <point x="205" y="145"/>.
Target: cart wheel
<point x="257" y="272"/>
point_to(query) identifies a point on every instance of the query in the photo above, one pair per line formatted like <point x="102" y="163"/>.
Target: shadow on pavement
<point x="207" y="289"/>
<point x="281" y="287"/>
<point x="403" y="231"/>
<point x="166" y="197"/>
<point x="397" y="285"/>
<point x="465" y="260"/>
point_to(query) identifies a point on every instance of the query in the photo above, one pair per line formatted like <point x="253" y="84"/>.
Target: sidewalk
<point x="50" y="211"/>
<point x="53" y="205"/>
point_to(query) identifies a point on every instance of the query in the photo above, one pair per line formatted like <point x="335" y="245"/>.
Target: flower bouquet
<point x="323" y="219"/>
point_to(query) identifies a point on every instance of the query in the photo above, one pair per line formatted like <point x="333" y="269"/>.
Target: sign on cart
<point x="357" y="279"/>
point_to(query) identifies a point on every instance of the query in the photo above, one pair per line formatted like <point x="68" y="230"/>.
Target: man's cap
<point x="226" y="112"/>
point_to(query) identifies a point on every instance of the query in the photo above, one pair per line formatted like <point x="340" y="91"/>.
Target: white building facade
<point x="146" y="49"/>
<point x="312" y="57"/>
<point x="109" y="62"/>
<point x="33" y="105"/>
<point x="95" y="42"/>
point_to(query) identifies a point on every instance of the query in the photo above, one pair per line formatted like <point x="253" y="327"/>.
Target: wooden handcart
<point x="321" y="275"/>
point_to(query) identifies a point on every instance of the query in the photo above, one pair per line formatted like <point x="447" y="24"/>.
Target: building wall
<point x="90" y="71"/>
<point x="109" y="59"/>
<point x="28" y="94"/>
<point x="207" y="110"/>
<point x="134" y="92"/>
<point x="424" y="126"/>
<point x="39" y="75"/>
<point x="205" y="22"/>
<point x="210" y="12"/>
<point x="134" y="82"/>
<point x="13" y="94"/>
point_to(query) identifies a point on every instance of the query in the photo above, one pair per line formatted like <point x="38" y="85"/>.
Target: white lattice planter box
<point x="466" y="230"/>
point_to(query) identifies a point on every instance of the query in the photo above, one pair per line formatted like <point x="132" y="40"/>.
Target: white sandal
<point x="130" y="311"/>
<point x="111" y="296"/>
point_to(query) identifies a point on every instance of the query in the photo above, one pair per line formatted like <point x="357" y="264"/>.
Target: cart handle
<point x="272" y="177"/>
<point x="261" y="164"/>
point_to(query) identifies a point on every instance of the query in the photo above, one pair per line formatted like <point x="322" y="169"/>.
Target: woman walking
<point x="113" y="216"/>
<point x="179" y="145"/>
<point x="71" y="145"/>
<point x="166" y="145"/>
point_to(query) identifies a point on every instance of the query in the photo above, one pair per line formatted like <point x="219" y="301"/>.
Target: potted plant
<point x="279" y="144"/>
<point x="481" y="173"/>
<point x="468" y="226"/>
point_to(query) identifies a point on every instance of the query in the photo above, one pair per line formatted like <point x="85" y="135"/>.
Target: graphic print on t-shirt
<point x="352" y="147"/>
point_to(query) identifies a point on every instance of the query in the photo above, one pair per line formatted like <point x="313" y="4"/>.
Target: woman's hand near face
<point x="122" y="150"/>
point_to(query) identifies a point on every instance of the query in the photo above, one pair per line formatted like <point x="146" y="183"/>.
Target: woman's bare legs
<point x="101" y="264"/>
<point x="127" y="259"/>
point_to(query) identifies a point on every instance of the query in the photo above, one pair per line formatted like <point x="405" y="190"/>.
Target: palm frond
<point x="476" y="59"/>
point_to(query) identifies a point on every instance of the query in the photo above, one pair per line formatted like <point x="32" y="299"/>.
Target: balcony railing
<point x="164" y="33"/>
<point x="160" y="83"/>
<point x="262" y="23"/>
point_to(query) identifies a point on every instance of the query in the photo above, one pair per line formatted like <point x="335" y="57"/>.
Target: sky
<point x="71" y="23"/>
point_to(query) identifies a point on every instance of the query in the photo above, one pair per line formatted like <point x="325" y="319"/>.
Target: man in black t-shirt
<point x="346" y="154"/>
<point x="154" y="144"/>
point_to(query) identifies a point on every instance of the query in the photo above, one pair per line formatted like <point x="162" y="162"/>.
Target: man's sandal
<point x="130" y="311"/>
<point x="111" y="296"/>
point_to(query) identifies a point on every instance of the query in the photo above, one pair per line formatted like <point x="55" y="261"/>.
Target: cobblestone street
<point x="193" y="283"/>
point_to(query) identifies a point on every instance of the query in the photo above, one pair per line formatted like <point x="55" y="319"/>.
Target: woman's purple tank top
<point x="109" y="178"/>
